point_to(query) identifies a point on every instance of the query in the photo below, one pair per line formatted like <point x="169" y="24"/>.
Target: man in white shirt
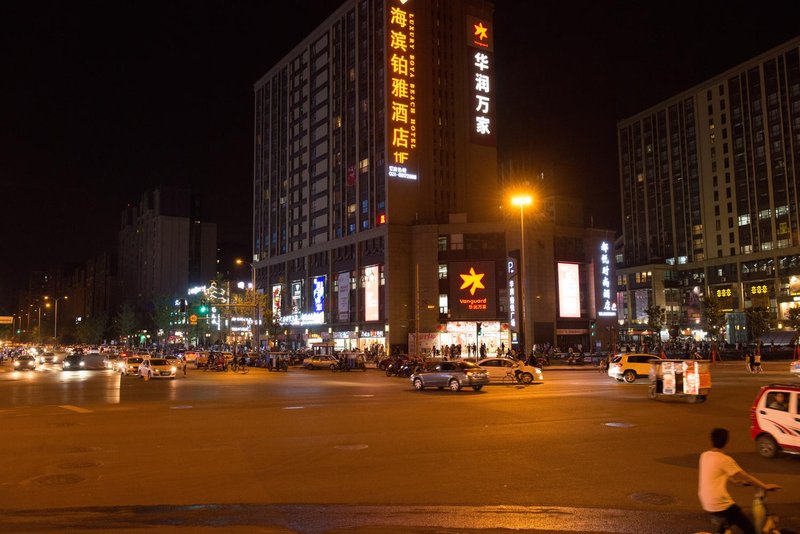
<point x="716" y="468"/>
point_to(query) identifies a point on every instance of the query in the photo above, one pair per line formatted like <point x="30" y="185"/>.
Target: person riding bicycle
<point x="716" y="468"/>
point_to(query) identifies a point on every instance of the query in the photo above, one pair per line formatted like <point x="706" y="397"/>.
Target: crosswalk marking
<point x="75" y="408"/>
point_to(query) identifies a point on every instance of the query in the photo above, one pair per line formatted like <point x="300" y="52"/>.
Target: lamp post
<point x="522" y="201"/>
<point x="256" y="304"/>
<point x="55" y="320"/>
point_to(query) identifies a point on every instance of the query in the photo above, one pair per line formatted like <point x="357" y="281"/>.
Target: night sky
<point x="102" y="100"/>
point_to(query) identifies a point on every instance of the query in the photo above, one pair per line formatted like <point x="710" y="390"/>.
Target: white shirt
<point x="715" y="469"/>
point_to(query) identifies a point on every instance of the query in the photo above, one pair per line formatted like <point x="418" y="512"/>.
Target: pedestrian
<point x="716" y="468"/>
<point x="184" y="364"/>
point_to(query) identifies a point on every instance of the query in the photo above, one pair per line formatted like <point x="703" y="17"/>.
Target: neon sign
<point x="402" y="90"/>
<point x="318" y="293"/>
<point x="472" y="290"/>
<point x="607" y="308"/>
<point x="480" y="38"/>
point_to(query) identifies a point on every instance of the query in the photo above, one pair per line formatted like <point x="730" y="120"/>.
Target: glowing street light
<point x="522" y="201"/>
<point x="55" y="321"/>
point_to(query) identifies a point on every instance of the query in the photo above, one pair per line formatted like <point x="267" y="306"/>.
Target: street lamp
<point x="522" y="201"/>
<point x="256" y="304"/>
<point x="55" y="321"/>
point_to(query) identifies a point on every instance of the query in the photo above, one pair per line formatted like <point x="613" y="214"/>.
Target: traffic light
<point x="183" y="305"/>
<point x="203" y="306"/>
<point x="480" y="328"/>
<point x="594" y="329"/>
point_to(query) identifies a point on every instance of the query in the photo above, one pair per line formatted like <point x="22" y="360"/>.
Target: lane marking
<point x="179" y="407"/>
<point x="75" y="408"/>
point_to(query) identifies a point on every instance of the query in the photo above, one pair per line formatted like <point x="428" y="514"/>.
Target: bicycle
<point x="239" y="367"/>
<point x="763" y="521"/>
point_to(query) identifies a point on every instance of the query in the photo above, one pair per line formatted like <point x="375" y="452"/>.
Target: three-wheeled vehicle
<point x="680" y="378"/>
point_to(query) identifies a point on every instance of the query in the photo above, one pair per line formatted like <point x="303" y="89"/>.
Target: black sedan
<point x="73" y="362"/>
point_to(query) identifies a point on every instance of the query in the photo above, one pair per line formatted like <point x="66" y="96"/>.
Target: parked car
<point x="26" y="362"/>
<point x="502" y="368"/>
<point x="629" y="367"/>
<point x="453" y="374"/>
<point x="157" y="368"/>
<point x="320" y="361"/>
<point x="794" y="367"/>
<point x="773" y="419"/>
<point x="130" y="365"/>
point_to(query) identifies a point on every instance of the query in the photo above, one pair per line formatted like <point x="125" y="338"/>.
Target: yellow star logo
<point x="481" y="31"/>
<point x="472" y="279"/>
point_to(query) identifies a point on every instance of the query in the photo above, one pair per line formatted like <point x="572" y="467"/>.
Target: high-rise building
<point x="164" y="246"/>
<point x="709" y="190"/>
<point x="377" y="205"/>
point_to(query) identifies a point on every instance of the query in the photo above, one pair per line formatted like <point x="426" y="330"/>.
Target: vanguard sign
<point x="473" y="293"/>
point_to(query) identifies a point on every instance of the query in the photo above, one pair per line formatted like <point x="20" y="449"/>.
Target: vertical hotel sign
<point x="402" y="90"/>
<point x="480" y="57"/>
<point x="607" y="308"/>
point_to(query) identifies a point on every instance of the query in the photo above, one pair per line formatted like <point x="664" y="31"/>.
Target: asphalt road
<point x="316" y="451"/>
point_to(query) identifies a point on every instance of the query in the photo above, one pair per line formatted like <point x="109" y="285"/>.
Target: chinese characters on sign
<point x="607" y="307"/>
<point x="318" y="294"/>
<point x="481" y="80"/>
<point x="402" y="106"/>
<point x="512" y="293"/>
<point x="472" y="290"/>
<point x="276" y="300"/>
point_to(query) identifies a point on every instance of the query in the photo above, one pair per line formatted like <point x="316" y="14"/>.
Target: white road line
<point x="75" y="408"/>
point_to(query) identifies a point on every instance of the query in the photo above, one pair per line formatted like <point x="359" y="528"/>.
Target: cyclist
<point x="716" y="468"/>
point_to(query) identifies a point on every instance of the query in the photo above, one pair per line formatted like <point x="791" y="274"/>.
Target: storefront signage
<point x="480" y="55"/>
<point x="569" y="290"/>
<point x="472" y="290"/>
<point x="344" y="296"/>
<point x="607" y="307"/>
<point x="402" y="89"/>
<point x="372" y="293"/>
<point x="318" y="293"/>
<point x="302" y="319"/>
<point x="726" y="296"/>
<point x="469" y="327"/>
<point x="759" y="295"/>
<point x="371" y="333"/>
<point x="511" y="268"/>
<point x="347" y="334"/>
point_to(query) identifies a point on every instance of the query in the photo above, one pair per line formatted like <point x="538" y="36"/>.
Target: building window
<point x="442" y="271"/>
<point x="744" y="220"/>
<point x="443" y="309"/>
<point x="442" y="243"/>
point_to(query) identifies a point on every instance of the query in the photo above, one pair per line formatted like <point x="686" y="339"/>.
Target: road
<point x="316" y="451"/>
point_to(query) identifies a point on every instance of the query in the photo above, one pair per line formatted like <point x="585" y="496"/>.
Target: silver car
<point x="453" y="375"/>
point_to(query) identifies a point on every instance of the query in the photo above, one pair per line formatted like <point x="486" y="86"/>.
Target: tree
<point x="125" y="323"/>
<point x="163" y="307"/>
<point x="793" y="318"/>
<point x="655" y="319"/>
<point x="90" y="330"/>
<point x="759" y="321"/>
<point x="713" y="315"/>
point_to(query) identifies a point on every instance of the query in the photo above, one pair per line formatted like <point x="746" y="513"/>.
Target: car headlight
<point x="173" y="369"/>
<point x="66" y="364"/>
<point x="16" y="364"/>
<point x="83" y="364"/>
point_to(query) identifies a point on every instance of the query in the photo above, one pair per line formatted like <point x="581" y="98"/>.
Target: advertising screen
<point x="297" y="297"/>
<point x="569" y="290"/>
<point x="372" y="284"/>
<point x="344" y="296"/>
<point x="473" y="293"/>
<point x="276" y="300"/>
<point x="318" y="293"/>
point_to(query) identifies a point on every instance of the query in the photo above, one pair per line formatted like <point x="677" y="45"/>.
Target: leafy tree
<point x="90" y="330"/>
<point x="163" y="307"/>
<point x="793" y="318"/>
<point x="655" y="318"/>
<point x="125" y="323"/>
<point x="759" y="321"/>
<point x="713" y="315"/>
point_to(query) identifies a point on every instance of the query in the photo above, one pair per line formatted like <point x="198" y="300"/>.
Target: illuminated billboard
<point x="569" y="290"/>
<point x="344" y="296"/>
<point x="372" y="283"/>
<point x="480" y="55"/>
<point x="472" y="290"/>
<point x="401" y="90"/>
<point x="297" y="297"/>
<point x="511" y="269"/>
<point x="318" y="293"/>
<point x="276" y="300"/>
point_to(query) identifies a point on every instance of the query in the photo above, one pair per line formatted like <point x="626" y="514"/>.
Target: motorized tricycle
<point x="680" y="378"/>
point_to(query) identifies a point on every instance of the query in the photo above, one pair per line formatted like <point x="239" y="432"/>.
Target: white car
<point x="507" y="368"/>
<point x="320" y="361"/>
<point x="129" y="365"/>
<point x="157" y="368"/>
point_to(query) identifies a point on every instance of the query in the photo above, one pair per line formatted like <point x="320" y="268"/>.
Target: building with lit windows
<point x="376" y="182"/>
<point x="709" y="190"/>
